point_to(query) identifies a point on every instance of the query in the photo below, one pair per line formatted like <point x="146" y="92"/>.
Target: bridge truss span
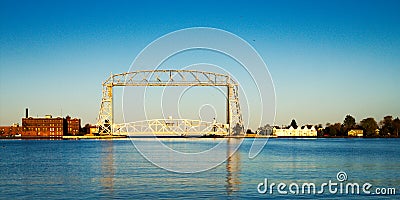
<point x="170" y="127"/>
<point x="105" y="120"/>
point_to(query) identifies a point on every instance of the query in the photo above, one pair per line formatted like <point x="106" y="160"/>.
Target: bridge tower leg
<point x="106" y="118"/>
<point x="229" y="109"/>
<point x="234" y="113"/>
<point x="111" y="125"/>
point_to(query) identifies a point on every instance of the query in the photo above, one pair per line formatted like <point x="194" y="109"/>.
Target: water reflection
<point x="232" y="167"/>
<point x="107" y="166"/>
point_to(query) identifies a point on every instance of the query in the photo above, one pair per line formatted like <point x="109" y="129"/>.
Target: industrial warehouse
<point x="42" y="127"/>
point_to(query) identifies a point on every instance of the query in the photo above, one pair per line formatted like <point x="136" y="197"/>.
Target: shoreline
<point x="110" y="137"/>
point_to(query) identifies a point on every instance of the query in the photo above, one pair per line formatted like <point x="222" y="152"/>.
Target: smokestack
<point x="26" y="112"/>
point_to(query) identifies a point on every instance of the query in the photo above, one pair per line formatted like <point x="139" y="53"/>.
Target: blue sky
<point x="326" y="58"/>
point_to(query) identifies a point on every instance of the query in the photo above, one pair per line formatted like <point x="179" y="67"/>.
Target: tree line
<point x="387" y="127"/>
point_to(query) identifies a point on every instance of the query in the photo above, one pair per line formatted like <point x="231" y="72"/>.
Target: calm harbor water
<point x="105" y="169"/>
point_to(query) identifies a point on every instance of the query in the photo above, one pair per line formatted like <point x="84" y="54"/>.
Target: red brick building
<point x="50" y="127"/>
<point x="73" y="125"/>
<point x="43" y="127"/>
<point x="10" y="131"/>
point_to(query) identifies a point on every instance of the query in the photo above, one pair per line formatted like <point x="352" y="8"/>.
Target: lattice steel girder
<point x="171" y="126"/>
<point x="170" y="78"/>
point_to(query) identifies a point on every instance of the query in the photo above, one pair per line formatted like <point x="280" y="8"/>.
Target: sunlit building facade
<point x="305" y="131"/>
<point x="355" y="133"/>
<point x="50" y="127"/>
<point x="43" y="127"/>
<point x="73" y="125"/>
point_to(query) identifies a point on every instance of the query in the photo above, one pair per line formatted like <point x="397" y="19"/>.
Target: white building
<point x="291" y="132"/>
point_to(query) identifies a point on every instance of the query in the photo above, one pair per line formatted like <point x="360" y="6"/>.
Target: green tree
<point x="348" y="123"/>
<point x="293" y="124"/>
<point x="387" y="126"/>
<point x="320" y="130"/>
<point x="332" y="129"/>
<point x="336" y="129"/>
<point x="396" y="126"/>
<point x="249" y="131"/>
<point x="369" y="125"/>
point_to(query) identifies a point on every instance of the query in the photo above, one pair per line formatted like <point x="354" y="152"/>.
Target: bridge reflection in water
<point x="232" y="168"/>
<point x="111" y="164"/>
<point x="107" y="166"/>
